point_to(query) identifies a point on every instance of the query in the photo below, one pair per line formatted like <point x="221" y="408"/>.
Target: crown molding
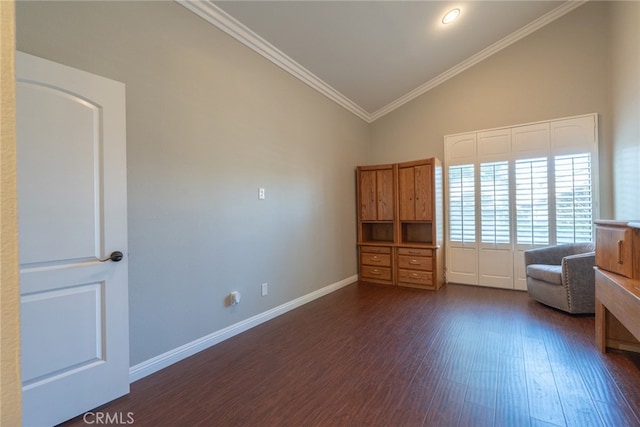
<point x="228" y="24"/>
<point x="217" y="17"/>
<point x="533" y="26"/>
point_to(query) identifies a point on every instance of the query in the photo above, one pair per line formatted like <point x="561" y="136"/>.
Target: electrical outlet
<point x="261" y="193"/>
<point x="265" y="289"/>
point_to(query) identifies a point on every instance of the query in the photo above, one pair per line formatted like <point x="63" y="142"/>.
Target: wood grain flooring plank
<point x="447" y="403"/>
<point x="544" y="402"/>
<point x="482" y="388"/>
<point x="474" y="415"/>
<point x="512" y="402"/>
<point x="614" y="415"/>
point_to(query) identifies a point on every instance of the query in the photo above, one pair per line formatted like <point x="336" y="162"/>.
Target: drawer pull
<point x="375" y="257"/>
<point x="414" y="262"/>
<point x="415" y="276"/>
<point x="414" y="252"/>
<point x="376" y="272"/>
<point x="620" y="261"/>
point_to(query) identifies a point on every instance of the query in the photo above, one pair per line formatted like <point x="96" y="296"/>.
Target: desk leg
<point x="601" y="326"/>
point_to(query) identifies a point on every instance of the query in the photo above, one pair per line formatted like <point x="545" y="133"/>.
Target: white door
<point x="72" y="214"/>
<point x="462" y="245"/>
<point x="495" y="254"/>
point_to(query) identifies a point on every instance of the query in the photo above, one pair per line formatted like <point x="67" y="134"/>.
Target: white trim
<point x="596" y="115"/>
<point x="217" y="17"/>
<point x="161" y="361"/>
<point x="535" y="25"/>
<point x="227" y="23"/>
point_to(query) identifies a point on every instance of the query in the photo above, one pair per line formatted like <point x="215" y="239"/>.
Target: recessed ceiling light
<point x="450" y="16"/>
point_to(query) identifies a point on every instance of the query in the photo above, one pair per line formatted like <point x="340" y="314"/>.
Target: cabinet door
<point x="384" y="186"/>
<point x="407" y="194"/>
<point x="415" y="186"/>
<point x="368" y="196"/>
<point x="423" y="189"/>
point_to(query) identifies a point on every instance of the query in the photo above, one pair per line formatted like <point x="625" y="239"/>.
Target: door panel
<point x="72" y="182"/>
<point x="496" y="268"/>
<point x="54" y="315"/>
<point x="71" y="147"/>
<point x="368" y="211"/>
<point x="531" y="140"/>
<point x="568" y="134"/>
<point x="461" y="149"/>
<point x="385" y="194"/>
<point x="494" y="145"/>
<point x="406" y="198"/>
<point x="463" y="265"/>
<point x="424" y="182"/>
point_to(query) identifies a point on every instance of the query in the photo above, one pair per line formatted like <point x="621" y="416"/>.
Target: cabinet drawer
<point x="415" y="262"/>
<point x="414" y="277"/>
<point x="379" y="273"/>
<point x="381" y="260"/>
<point x="376" y="249"/>
<point x="414" y="252"/>
<point x="614" y="249"/>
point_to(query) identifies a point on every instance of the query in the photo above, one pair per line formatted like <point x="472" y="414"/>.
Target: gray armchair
<point x="562" y="276"/>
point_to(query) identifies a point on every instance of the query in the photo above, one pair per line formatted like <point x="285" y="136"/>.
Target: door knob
<point x="115" y="257"/>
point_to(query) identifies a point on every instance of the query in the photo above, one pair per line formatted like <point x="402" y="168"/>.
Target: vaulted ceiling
<point x="373" y="56"/>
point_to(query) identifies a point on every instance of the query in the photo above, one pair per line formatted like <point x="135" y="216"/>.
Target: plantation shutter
<point x="494" y="205"/>
<point x="574" y="201"/>
<point x="462" y="217"/>
<point x="532" y="201"/>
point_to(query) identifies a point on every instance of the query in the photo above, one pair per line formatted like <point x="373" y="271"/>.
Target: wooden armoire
<point x="400" y="224"/>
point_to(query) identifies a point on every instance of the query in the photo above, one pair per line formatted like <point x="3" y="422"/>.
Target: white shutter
<point x="462" y="251"/>
<point x="532" y="202"/>
<point x="462" y="219"/>
<point x="574" y="201"/>
<point x="533" y="185"/>
<point x="494" y="202"/>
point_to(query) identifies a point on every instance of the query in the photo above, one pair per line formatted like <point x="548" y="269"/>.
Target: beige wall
<point x="560" y="70"/>
<point x="208" y="123"/>
<point x="625" y="108"/>
<point x="10" y="387"/>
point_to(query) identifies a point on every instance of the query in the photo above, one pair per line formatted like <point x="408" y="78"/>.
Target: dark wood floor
<point x="381" y="356"/>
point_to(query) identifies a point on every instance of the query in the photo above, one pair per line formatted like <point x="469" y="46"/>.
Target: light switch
<point x="261" y="193"/>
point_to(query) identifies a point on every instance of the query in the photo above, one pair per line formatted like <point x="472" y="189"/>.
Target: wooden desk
<point x="617" y="312"/>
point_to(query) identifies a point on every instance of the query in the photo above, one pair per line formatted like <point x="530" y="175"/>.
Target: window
<point x="532" y="202"/>
<point x="494" y="202"/>
<point x="514" y="188"/>
<point x="574" y="201"/>
<point x="462" y="204"/>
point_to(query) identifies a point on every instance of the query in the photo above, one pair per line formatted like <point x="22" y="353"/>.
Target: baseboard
<point x="161" y="361"/>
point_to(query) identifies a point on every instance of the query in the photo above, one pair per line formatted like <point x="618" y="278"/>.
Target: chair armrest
<point x="578" y="276"/>
<point x="550" y="255"/>
<point x="578" y="269"/>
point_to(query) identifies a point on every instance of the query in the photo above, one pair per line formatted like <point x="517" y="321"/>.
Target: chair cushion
<point x="547" y="273"/>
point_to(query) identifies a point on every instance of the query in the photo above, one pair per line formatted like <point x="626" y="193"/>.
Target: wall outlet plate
<point x="265" y="289"/>
<point x="234" y="298"/>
